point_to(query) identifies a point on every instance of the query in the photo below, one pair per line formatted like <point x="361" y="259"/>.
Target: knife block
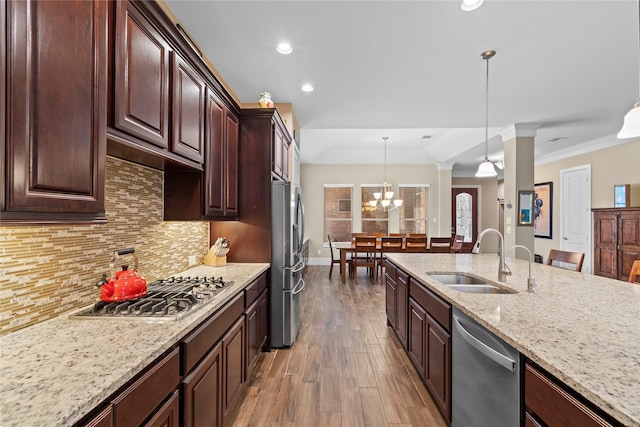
<point x="214" y="261"/>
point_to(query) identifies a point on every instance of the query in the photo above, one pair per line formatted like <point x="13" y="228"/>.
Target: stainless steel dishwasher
<point x="485" y="377"/>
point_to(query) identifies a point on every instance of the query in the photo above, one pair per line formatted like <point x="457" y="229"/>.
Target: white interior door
<point x="575" y="212"/>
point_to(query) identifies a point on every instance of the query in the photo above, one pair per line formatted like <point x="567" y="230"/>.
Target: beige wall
<point x="488" y="205"/>
<point x="49" y="270"/>
<point x="610" y="166"/>
<point x="313" y="178"/>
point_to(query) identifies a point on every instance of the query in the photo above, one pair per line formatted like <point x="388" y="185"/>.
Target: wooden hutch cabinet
<point x="616" y="241"/>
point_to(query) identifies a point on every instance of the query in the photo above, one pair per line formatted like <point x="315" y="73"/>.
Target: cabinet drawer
<point x="253" y="291"/>
<point x="437" y="308"/>
<point x="200" y="341"/>
<point x="391" y="270"/>
<point x="140" y="399"/>
<point x="555" y="406"/>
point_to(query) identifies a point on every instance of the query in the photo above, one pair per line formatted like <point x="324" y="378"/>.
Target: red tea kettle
<point x="127" y="285"/>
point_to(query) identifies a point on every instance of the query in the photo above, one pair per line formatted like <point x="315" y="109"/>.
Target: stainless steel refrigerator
<point x="287" y="235"/>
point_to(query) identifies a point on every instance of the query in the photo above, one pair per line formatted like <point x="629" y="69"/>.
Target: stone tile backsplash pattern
<point x="49" y="270"/>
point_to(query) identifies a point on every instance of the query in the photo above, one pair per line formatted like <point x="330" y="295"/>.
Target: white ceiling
<point x="406" y="69"/>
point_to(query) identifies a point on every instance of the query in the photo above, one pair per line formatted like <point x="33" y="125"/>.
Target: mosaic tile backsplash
<point x="49" y="270"/>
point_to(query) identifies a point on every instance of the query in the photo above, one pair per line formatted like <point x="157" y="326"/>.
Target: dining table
<point x="350" y="248"/>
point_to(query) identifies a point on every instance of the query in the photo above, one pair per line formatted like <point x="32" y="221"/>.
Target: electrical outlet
<point x="319" y="252"/>
<point x="192" y="260"/>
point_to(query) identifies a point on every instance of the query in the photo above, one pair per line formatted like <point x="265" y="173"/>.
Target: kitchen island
<point x="583" y="329"/>
<point x="56" y="372"/>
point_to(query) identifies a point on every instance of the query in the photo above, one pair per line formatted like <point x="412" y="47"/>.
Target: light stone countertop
<point x="584" y="329"/>
<point x="54" y="373"/>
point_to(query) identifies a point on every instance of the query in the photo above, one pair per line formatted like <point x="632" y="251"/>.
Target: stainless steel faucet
<point x="503" y="269"/>
<point x="531" y="282"/>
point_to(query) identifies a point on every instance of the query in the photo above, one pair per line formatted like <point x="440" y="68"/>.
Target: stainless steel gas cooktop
<point x="166" y="299"/>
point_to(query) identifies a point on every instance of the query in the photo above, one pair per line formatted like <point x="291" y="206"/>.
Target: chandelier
<point x="384" y="198"/>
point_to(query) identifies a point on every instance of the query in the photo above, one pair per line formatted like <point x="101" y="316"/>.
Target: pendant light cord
<point x="639" y="51"/>
<point x="486" y="116"/>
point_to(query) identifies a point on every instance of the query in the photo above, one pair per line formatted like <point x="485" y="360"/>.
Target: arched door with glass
<point x="464" y="215"/>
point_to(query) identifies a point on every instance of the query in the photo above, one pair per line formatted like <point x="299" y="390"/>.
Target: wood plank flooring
<point x="346" y="368"/>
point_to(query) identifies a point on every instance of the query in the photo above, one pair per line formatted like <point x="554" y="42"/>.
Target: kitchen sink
<point x="469" y="284"/>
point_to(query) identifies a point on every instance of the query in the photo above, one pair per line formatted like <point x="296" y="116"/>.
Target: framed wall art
<point x="525" y="207"/>
<point x="542" y="210"/>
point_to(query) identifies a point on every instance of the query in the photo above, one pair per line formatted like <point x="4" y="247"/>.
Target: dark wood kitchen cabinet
<point x="221" y="169"/>
<point x="188" y="103"/>
<point x="55" y="99"/>
<point x="551" y="403"/>
<point x="390" y="280"/>
<point x="429" y="345"/>
<point x="141" y="77"/>
<point x="280" y="150"/>
<point x="168" y="415"/>
<point x="616" y="241"/>
<point x="233" y="359"/>
<point x="402" y="301"/>
<point x="158" y="98"/>
<point x="212" y="193"/>
<point x="256" y="321"/>
<point x="202" y="392"/>
<point x="251" y="234"/>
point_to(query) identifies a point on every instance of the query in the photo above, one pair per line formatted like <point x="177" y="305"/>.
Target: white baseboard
<point x="319" y="261"/>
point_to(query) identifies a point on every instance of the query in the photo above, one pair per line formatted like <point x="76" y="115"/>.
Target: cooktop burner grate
<point x="169" y="299"/>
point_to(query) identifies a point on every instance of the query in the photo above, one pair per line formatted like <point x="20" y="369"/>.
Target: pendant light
<point x="469" y="5"/>
<point x="631" y="126"/>
<point x="384" y="198"/>
<point x="486" y="169"/>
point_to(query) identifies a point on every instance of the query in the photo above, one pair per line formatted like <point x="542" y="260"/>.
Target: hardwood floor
<point x="346" y="368"/>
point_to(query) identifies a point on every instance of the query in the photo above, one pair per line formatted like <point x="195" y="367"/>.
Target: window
<point x="413" y="212"/>
<point x="337" y="212"/>
<point x="374" y="220"/>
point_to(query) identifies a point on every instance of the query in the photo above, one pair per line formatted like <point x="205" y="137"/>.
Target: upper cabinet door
<point x="188" y="111"/>
<point x="56" y="110"/>
<point x="231" y="165"/>
<point x="141" y="83"/>
<point x="214" y="166"/>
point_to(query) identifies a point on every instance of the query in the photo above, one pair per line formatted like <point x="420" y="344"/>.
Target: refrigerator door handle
<point x="298" y="267"/>
<point x="483" y="348"/>
<point x="296" y="292"/>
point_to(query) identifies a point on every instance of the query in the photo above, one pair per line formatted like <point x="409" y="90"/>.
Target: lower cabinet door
<point x="252" y="329"/>
<point x="417" y="332"/>
<point x="391" y="296"/>
<point x="168" y="415"/>
<point x="233" y="363"/>
<point x="438" y="365"/>
<point x="202" y="392"/>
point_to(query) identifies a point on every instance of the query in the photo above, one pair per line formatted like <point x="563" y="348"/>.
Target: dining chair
<point x="388" y="244"/>
<point x="440" y="245"/>
<point x="415" y="244"/>
<point x="417" y="234"/>
<point x="335" y="259"/>
<point x="364" y="256"/>
<point x="456" y="244"/>
<point x="378" y="234"/>
<point x="397" y="234"/>
<point x="634" y="275"/>
<point x="359" y="234"/>
<point x="575" y="258"/>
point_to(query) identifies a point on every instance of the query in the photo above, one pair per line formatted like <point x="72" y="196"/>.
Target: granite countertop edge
<point x="543" y="325"/>
<point x="42" y="366"/>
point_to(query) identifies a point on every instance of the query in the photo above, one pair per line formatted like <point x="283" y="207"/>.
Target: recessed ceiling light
<point x="284" y="48"/>
<point x="469" y="5"/>
<point x="307" y="87"/>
